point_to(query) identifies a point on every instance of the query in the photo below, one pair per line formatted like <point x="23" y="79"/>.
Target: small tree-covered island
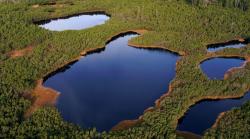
<point x="125" y="69"/>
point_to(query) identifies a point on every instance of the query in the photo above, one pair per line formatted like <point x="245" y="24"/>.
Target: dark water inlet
<point x="215" y="68"/>
<point x="203" y="115"/>
<point x="230" y="44"/>
<point x="75" y="22"/>
<point x="116" y="84"/>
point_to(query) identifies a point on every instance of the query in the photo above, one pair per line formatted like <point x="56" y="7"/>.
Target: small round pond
<point x="215" y="68"/>
<point x="116" y="84"/>
<point x="76" y="22"/>
<point x="203" y="115"/>
<point x="230" y="44"/>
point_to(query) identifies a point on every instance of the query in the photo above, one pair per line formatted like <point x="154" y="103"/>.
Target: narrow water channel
<point x="215" y="68"/>
<point x="203" y="115"/>
<point x="116" y="84"/>
<point x="76" y="22"/>
<point x="221" y="46"/>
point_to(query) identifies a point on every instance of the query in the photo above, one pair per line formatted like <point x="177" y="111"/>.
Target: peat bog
<point x="75" y="22"/>
<point x="115" y="84"/>
<point x="203" y="114"/>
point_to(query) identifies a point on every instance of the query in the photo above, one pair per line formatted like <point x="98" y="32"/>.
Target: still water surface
<point x="78" y="22"/>
<point x="116" y="84"/>
<point x="221" y="46"/>
<point x="203" y="115"/>
<point x="215" y="68"/>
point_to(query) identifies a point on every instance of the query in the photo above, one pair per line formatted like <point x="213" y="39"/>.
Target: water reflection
<point x="203" y="115"/>
<point x="116" y="84"/>
<point x="216" y="68"/>
<point x="77" y="22"/>
<point x="221" y="46"/>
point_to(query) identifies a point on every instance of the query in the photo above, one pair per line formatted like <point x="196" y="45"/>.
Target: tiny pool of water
<point x="203" y="115"/>
<point x="215" y="68"/>
<point x="77" y="22"/>
<point x="221" y="46"/>
<point x="116" y="84"/>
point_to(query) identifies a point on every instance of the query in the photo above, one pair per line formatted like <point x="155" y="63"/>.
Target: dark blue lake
<point x="203" y="115"/>
<point x="119" y="83"/>
<point x="215" y="68"/>
<point x="76" y="22"/>
<point x="221" y="46"/>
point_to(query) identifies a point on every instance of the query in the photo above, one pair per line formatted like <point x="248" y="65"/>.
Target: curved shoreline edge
<point x="188" y="135"/>
<point x="122" y="125"/>
<point x="43" y="21"/>
<point x="39" y="95"/>
<point x="226" y="76"/>
<point x="231" y="70"/>
<point x="236" y="39"/>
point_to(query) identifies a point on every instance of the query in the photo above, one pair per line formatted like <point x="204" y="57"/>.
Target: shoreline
<point x="43" y="89"/>
<point x="239" y="39"/>
<point x="38" y="98"/>
<point x="41" y="96"/>
<point x="229" y="72"/>
<point x="218" y="119"/>
<point x="211" y="98"/>
<point x="226" y="76"/>
<point x="181" y="53"/>
<point x="188" y="135"/>
<point x="122" y="124"/>
<point x="235" y="69"/>
<point x="125" y="124"/>
<point x="93" y="12"/>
